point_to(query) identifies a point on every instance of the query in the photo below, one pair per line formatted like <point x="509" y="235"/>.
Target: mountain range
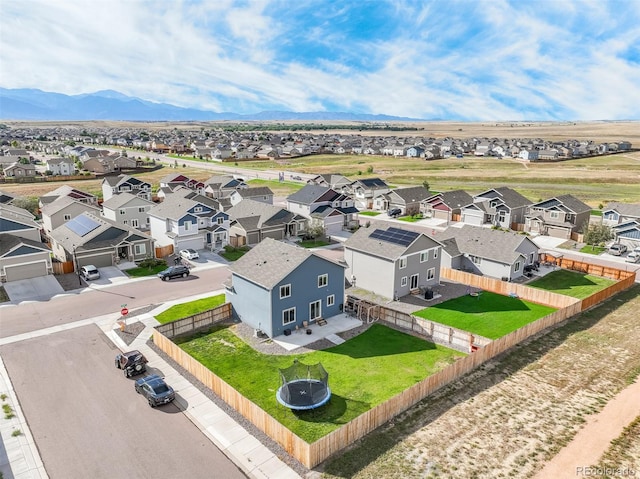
<point x="33" y="104"/>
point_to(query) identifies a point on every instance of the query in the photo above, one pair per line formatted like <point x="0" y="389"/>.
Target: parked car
<point x="296" y="177"/>
<point x="131" y="363"/>
<point x="89" y="272"/>
<point x="176" y="271"/>
<point x="155" y="390"/>
<point x="633" y="257"/>
<point x="189" y="253"/>
<point x="617" y="249"/>
<point x="394" y="212"/>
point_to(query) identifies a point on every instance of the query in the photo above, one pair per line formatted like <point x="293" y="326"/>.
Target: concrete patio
<point x="300" y="338"/>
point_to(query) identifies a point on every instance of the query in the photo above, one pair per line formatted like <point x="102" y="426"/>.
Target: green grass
<point x="279" y="188"/>
<point x="590" y="249"/>
<point x="184" y="310"/>
<point x="490" y="315"/>
<point x="233" y="254"/>
<point x="140" y="272"/>
<point x="596" y="212"/>
<point x="313" y="243"/>
<point x="369" y="213"/>
<point x="571" y="283"/>
<point x="410" y="219"/>
<point x="363" y="372"/>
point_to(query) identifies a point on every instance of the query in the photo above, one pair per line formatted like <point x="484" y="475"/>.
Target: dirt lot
<point x="515" y="413"/>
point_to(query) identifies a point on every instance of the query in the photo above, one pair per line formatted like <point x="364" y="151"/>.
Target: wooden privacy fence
<point x="164" y="251"/>
<point x="610" y="291"/>
<point x="505" y="288"/>
<point x="62" y="267"/>
<point x="197" y="322"/>
<point x="583" y="267"/>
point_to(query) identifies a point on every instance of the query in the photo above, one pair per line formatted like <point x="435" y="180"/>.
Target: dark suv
<point x="131" y="363"/>
<point x="394" y="212"/>
<point x="176" y="271"/>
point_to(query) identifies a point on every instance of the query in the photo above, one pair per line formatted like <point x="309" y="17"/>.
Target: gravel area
<point x="132" y="330"/>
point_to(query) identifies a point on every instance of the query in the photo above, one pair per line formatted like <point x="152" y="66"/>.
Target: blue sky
<point x="468" y="60"/>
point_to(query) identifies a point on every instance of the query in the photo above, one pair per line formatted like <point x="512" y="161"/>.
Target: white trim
<point x="294" y="315"/>
<point x="331" y="300"/>
<point x="285" y="286"/>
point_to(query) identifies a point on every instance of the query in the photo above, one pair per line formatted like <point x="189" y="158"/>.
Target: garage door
<point x="99" y="261"/>
<point x="196" y="243"/>
<point x="556" y="232"/>
<point x="26" y="271"/>
<point x="440" y="214"/>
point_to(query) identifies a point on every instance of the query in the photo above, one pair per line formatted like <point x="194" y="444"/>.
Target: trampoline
<point x="304" y="387"/>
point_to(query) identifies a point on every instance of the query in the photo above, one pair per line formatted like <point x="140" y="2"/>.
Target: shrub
<point x="151" y="263"/>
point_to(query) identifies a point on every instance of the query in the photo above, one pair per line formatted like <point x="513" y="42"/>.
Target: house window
<point x="431" y="273"/>
<point x="148" y="221"/>
<point x="187" y="225"/>
<point x="403" y="281"/>
<point x="424" y="256"/>
<point x="125" y="222"/>
<point x="123" y="212"/>
<point x="475" y="259"/>
<point x="323" y="280"/>
<point x="315" y="310"/>
<point x="140" y="249"/>
<point x="435" y="253"/>
<point x="403" y="263"/>
<point x="288" y="316"/>
<point x="134" y="223"/>
<point x="67" y="217"/>
<point x="285" y="291"/>
<point x="554" y="215"/>
<point x="501" y="216"/>
<point x="517" y="266"/>
<point x="198" y="209"/>
<point x="220" y="220"/>
<point x="141" y="209"/>
<point x="331" y="300"/>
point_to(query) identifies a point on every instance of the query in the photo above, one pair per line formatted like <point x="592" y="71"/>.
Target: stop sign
<point x="124" y="311"/>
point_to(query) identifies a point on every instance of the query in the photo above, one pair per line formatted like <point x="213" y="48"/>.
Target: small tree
<point x="425" y="183"/>
<point x="595" y="234"/>
<point x="369" y="169"/>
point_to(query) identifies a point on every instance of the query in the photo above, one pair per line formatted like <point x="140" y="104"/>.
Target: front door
<point x="315" y="310"/>
<point x="414" y="281"/>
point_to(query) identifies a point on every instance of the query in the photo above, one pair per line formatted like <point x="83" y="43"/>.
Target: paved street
<point x="31" y="316"/>
<point x="88" y="421"/>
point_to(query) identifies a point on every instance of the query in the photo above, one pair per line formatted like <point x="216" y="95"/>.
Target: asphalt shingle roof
<point x="266" y="213"/>
<point x="487" y="243"/>
<point x="310" y="193"/>
<point x="361" y="241"/>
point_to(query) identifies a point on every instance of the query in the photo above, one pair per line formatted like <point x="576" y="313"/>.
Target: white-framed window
<point x="435" y="253"/>
<point x="285" y="291"/>
<point x="288" y="316"/>
<point x="331" y="300"/>
<point x="554" y="215"/>
<point x="475" y="259"/>
<point x="140" y="248"/>
<point x="402" y="263"/>
<point x="187" y="225"/>
<point x="141" y="209"/>
<point x="220" y="220"/>
<point x="323" y="280"/>
<point x="315" y="310"/>
<point x="67" y="217"/>
<point x="424" y="256"/>
<point x="501" y="216"/>
<point x="403" y="281"/>
<point x="431" y="273"/>
<point x="148" y="220"/>
<point x="134" y="223"/>
<point x="123" y="212"/>
<point x="197" y="209"/>
<point x="517" y="266"/>
<point x="125" y="222"/>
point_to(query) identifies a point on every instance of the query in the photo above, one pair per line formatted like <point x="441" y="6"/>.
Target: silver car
<point x="89" y="272"/>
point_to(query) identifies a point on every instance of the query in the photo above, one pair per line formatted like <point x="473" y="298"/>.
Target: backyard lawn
<point x="572" y="283"/>
<point x="363" y="372"/>
<point x="184" y="310"/>
<point x="315" y="243"/>
<point x="591" y="249"/>
<point x="488" y="314"/>
<point x="369" y="213"/>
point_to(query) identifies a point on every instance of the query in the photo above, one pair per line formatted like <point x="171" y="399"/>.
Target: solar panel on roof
<point x="395" y="236"/>
<point x="82" y="226"/>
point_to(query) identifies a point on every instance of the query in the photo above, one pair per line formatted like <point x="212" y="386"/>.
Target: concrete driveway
<point x="42" y="287"/>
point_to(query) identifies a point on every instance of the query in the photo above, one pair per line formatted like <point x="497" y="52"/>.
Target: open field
<point x="488" y="314"/>
<point x="571" y="283"/>
<point x="363" y="372"/>
<point x="509" y="417"/>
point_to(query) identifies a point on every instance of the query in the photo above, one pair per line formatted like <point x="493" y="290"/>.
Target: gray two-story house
<point x="277" y="287"/>
<point x="497" y="207"/>
<point x="113" y="185"/>
<point x="558" y="217"/>
<point x="392" y="262"/>
<point x="129" y="210"/>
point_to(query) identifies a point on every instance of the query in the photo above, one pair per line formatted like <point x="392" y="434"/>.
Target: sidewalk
<point x="19" y="457"/>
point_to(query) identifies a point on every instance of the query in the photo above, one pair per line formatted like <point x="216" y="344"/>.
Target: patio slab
<point x="299" y="338"/>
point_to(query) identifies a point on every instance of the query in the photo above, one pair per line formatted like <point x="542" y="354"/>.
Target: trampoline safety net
<point x="304" y="386"/>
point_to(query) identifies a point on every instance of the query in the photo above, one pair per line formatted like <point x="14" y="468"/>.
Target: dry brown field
<point x="509" y="417"/>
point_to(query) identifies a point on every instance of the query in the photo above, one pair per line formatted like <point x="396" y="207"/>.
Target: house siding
<point x="255" y="307"/>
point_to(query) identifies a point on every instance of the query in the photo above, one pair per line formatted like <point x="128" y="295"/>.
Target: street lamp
<point x="76" y="266"/>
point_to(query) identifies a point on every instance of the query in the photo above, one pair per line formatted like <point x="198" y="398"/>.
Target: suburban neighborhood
<point x="322" y="267"/>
